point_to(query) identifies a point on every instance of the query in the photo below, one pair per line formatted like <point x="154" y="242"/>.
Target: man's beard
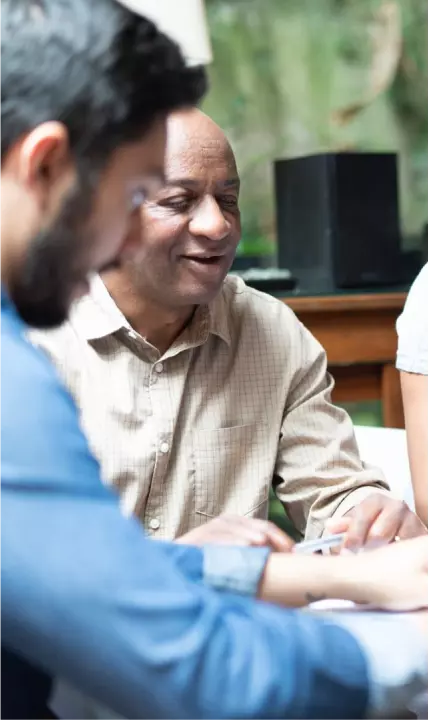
<point x="56" y="263"/>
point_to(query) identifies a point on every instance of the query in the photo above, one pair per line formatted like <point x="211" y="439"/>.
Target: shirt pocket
<point x="231" y="471"/>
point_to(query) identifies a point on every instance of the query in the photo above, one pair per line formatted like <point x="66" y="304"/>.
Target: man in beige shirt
<point x="198" y="393"/>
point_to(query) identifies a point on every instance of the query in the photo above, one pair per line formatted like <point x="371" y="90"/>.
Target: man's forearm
<point x="281" y="578"/>
<point x="297" y="580"/>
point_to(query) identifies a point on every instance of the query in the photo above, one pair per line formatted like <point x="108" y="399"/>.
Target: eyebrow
<point x="190" y="183"/>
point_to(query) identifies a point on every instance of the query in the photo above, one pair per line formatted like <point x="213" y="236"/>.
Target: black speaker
<point x="338" y="220"/>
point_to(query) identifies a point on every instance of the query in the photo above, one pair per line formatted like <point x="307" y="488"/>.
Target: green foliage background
<point x="282" y="67"/>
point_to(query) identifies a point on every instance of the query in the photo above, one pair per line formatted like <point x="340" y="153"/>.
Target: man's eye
<point x="177" y="203"/>
<point x="228" y="201"/>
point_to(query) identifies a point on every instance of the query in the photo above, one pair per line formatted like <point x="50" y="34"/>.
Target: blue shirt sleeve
<point x="88" y="597"/>
<point x="228" y="569"/>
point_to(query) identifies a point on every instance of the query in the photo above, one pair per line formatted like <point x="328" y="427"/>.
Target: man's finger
<point x="335" y="526"/>
<point x="411" y="527"/>
<point x="257" y="532"/>
<point x="276" y="538"/>
<point x="228" y="539"/>
<point x="279" y="541"/>
<point x="247" y="528"/>
<point x="362" y="519"/>
<point x="386" y="527"/>
<point x="250" y="536"/>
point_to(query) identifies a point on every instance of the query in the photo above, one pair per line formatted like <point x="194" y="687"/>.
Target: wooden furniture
<point x="359" y="335"/>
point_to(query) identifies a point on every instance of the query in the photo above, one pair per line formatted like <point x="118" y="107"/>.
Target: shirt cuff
<point x="234" y="569"/>
<point x="397" y="660"/>
<point x="355" y="497"/>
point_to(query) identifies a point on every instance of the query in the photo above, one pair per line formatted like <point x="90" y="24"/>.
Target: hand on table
<point x="236" y="530"/>
<point x="377" y="520"/>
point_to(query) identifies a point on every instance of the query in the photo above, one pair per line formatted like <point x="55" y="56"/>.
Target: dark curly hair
<point x="103" y="71"/>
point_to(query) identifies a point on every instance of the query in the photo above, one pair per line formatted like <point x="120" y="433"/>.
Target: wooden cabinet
<point x="359" y="335"/>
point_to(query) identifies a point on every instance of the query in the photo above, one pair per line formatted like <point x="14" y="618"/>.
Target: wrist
<point x="294" y="580"/>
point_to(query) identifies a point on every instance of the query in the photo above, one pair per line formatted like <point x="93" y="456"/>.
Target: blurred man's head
<point x="86" y="87"/>
<point x="191" y="230"/>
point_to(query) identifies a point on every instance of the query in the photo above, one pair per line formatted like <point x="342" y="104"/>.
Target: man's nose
<point x="208" y="220"/>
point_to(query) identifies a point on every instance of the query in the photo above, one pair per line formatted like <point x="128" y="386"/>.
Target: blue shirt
<point x="130" y="621"/>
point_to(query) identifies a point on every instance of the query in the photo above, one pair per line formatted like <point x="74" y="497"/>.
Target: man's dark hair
<point x="103" y="71"/>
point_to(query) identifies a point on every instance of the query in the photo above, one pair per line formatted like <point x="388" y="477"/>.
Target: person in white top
<point x="412" y="361"/>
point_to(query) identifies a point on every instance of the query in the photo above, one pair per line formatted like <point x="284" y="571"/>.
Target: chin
<point x="203" y="295"/>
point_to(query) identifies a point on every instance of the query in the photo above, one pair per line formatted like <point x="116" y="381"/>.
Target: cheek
<point x="163" y="236"/>
<point x="236" y="228"/>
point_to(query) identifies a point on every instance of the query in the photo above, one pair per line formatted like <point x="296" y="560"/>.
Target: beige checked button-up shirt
<point x="239" y="402"/>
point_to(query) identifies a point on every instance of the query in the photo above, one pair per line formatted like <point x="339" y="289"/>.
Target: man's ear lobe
<point x="43" y="165"/>
<point x="45" y="157"/>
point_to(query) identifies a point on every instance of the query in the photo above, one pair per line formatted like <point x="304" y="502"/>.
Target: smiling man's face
<point x="190" y="233"/>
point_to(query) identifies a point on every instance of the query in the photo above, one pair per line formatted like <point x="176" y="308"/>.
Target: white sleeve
<point x="412" y="328"/>
<point x="397" y="657"/>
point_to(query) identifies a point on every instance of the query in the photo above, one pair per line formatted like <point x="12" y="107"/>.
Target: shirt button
<point x="159" y="367"/>
<point x="164" y="447"/>
<point x="154" y="524"/>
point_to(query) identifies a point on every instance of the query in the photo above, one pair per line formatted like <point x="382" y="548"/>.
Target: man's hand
<point x="378" y="520"/>
<point x="394" y="577"/>
<point x="236" y="530"/>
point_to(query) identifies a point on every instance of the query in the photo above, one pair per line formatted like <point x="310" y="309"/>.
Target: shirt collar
<point x="3" y="296"/>
<point x="5" y="300"/>
<point x="9" y="310"/>
<point x="96" y="316"/>
<point x="218" y="317"/>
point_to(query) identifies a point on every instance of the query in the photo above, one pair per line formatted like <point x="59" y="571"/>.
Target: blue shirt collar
<point x="4" y="298"/>
<point x="8" y="309"/>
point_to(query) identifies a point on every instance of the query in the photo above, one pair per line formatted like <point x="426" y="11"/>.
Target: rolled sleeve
<point x="221" y="567"/>
<point x="412" y="328"/>
<point x="397" y="660"/>
<point x="355" y="497"/>
<point x="234" y="569"/>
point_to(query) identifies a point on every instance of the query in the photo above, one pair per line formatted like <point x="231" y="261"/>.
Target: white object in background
<point x="184" y="21"/>
<point x="387" y="449"/>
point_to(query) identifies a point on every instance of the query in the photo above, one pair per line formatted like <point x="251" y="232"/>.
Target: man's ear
<point x="45" y="164"/>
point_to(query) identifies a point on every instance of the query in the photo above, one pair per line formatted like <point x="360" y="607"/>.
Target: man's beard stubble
<point x="55" y="263"/>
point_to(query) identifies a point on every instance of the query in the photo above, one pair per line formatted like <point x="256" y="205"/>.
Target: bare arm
<point x="415" y="399"/>
<point x="364" y="578"/>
